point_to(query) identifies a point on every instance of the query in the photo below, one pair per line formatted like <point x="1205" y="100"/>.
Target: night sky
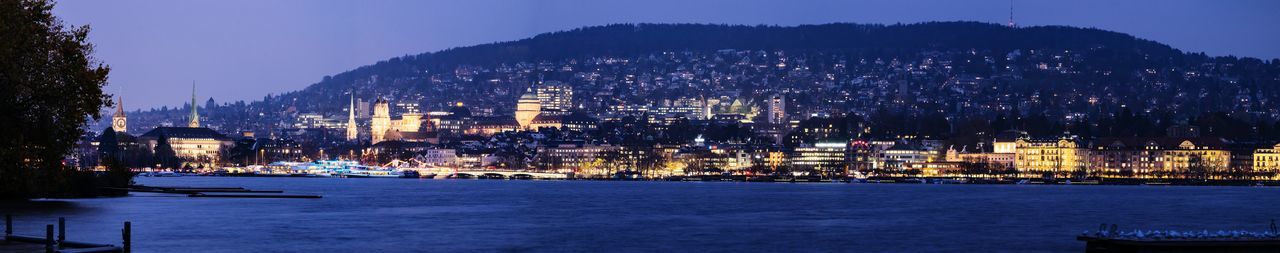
<point x="243" y="50"/>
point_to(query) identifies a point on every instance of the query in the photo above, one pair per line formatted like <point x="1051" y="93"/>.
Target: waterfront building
<point x="860" y="156"/>
<point x="391" y="150"/>
<point x="1006" y="142"/>
<point x="474" y="159"/>
<point x="578" y="157"/>
<point x="1159" y="157"/>
<point x="1267" y="161"/>
<point x="1207" y="155"/>
<point x="827" y="158"/>
<point x="200" y="147"/>
<point x="439" y="157"/>
<point x="1058" y="157"/>
<point x="1000" y="160"/>
<point x="901" y="156"/>
<point x="935" y="168"/>
<point x="271" y="150"/>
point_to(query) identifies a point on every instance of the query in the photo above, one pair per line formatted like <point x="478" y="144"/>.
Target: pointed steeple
<point x="195" y="116"/>
<point x="351" y="118"/>
<point x="119" y="107"/>
<point x="119" y="121"/>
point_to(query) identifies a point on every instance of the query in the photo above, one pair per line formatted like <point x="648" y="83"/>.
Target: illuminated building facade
<point x="555" y="97"/>
<point x="527" y="109"/>
<point x="200" y="147"/>
<point x="828" y="158"/>
<point x="1058" y="157"/>
<point x="381" y="121"/>
<point x="1267" y="161"/>
<point x="1158" y="157"/>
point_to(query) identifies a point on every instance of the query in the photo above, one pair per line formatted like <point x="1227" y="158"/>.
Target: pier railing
<point x="61" y="244"/>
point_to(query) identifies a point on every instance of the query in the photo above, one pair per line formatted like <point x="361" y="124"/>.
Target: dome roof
<point x="529" y="96"/>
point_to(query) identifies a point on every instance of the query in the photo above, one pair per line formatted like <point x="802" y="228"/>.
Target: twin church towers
<point x="120" y="121"/>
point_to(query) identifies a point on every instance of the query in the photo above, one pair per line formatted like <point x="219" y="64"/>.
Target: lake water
<point x="410" y="215"/>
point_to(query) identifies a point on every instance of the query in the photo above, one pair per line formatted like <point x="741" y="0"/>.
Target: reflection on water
<point x="407" y="215"/>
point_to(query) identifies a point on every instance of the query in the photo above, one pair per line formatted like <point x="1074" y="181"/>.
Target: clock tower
<point x="118" y="121"/>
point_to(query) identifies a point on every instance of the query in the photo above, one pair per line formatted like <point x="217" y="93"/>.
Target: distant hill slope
<point x="637" y="39"/>
<point x="1147" y="73"/>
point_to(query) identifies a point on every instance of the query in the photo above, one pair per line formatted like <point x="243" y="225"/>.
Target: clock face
<point x="118" y="123"/>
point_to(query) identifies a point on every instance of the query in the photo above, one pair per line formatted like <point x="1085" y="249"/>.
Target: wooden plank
<point x="25" y="238"/>
<point x="107" y="249"/>
<point x="75" y="244"/>
<point x="281" y="196"/>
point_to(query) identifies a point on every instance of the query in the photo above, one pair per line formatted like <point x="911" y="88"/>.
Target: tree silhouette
<point x="108" y="145"/>
<point x="51" y="85"/>
<point x="165" y="155"/>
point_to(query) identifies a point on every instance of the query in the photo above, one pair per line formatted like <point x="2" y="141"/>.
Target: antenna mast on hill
<point x="1011" y="23"/>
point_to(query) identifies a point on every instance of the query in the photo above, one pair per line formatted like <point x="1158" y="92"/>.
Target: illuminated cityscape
<point x="640" y="126"/>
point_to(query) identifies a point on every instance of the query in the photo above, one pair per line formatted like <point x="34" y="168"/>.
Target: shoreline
<point x="871" y="180"/>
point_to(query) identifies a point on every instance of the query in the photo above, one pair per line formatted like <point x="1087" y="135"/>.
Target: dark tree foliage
<point x="50" y="84"/>
<point x="108" y="146"/>
<point x="165" y="155"/>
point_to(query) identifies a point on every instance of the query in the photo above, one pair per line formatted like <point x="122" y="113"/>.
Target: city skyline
<point x="247" y="60"/>
<point x="612" y="126"/>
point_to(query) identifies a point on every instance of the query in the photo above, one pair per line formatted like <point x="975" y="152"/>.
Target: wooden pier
<point x="1112" y="240"/>
<point x="216" y="192"/>
<point x="52" y="244"/>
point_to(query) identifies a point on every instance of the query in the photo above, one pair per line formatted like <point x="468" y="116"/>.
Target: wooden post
<point x="126" y="237"/>
<point x="62" y="230"/>
<point x="8" y="224"/>
<point x="48" y="238"/>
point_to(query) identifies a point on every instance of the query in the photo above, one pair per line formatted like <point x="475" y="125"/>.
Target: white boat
<point x="370" y="171"/>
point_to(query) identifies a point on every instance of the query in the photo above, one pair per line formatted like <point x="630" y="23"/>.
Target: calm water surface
<point x="408" y="215"/>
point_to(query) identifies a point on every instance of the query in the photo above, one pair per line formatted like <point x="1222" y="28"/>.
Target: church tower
<point x="381" y="121"/>
<point x="527" y="108"/>
<point x="195" y="116"/>
<point x="118" y="121"/>
<point x="351" y="119"/>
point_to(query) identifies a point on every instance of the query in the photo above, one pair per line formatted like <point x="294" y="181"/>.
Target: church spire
<point x="195" y="116"/>
<point x="351" y="118"/>
<point x="118" y="121"/>
<point x="119" y="106"/>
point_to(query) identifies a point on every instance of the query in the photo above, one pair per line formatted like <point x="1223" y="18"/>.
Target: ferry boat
<point x="361" y="171"/>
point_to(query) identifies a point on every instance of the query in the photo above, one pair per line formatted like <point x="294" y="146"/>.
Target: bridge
<point x="442" y="172"/>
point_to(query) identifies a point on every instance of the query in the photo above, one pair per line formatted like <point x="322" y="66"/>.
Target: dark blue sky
<point x="245" y="49"/>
